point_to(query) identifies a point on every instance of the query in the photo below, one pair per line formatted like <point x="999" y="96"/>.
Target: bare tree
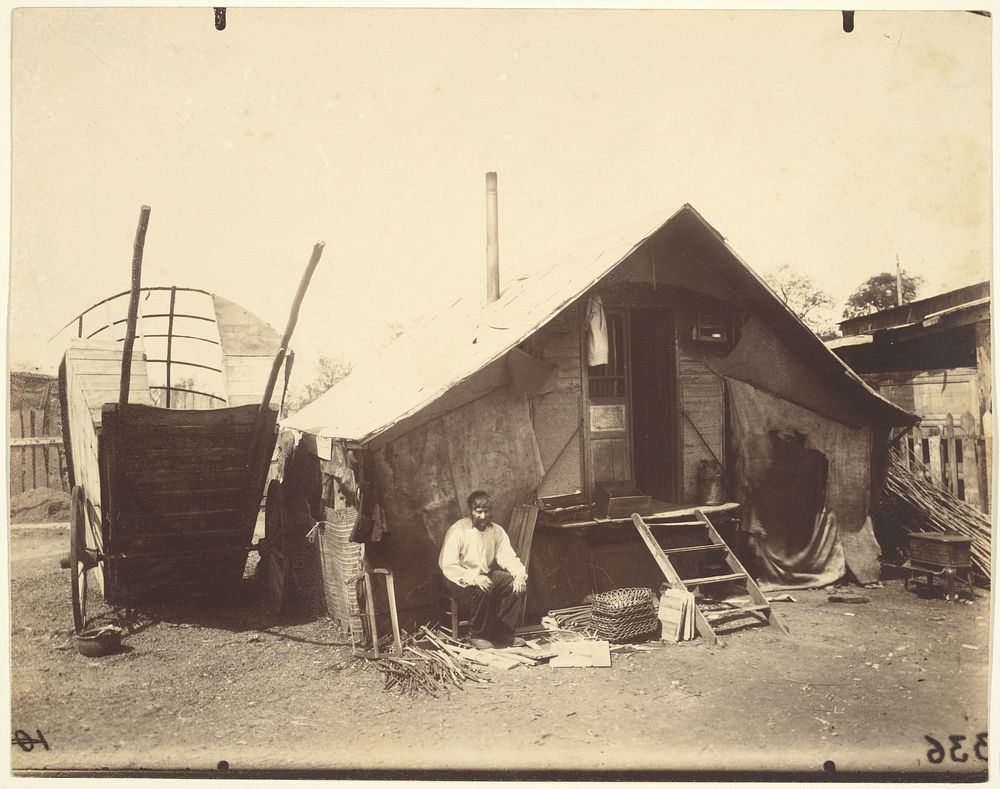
<point x="330" y="370"/>
<point x="813" y="305"/>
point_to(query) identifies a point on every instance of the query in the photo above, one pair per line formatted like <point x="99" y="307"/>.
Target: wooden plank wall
<point x="37" y="459"/>
<point x="702" y="406"/>
<point x="930" y="393"/>
<point x="555" y="407"/>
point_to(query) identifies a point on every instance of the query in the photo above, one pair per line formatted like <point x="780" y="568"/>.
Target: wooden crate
<point x="619" y="499"/>
<point x="944" y="550"/>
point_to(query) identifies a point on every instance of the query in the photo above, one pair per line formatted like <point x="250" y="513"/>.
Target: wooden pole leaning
<point x="133" y="304"/>
<point x="370" y="602"/>
<point x="293" y="318"/>
<point x="259" y="439"/>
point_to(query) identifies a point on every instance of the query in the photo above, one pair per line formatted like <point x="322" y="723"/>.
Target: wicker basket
<point x="624" y="614"/>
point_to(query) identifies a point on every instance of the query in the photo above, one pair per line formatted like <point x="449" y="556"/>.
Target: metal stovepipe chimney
<point x="492" y="240"/>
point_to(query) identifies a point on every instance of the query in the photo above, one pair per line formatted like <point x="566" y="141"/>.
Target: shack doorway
<point x="633" y="403"/>
<point x="654" y="402"/>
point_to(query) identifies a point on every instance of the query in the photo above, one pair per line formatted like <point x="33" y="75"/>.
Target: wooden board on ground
<point x="581" y="654"/>
<point x="485" y="657"/>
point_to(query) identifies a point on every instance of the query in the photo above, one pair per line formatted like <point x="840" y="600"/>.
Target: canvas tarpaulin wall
<point x="804" y="481"/>
<point x="426" y="475"/>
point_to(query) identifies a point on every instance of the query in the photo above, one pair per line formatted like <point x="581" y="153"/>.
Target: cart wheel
<point x="276" y="576"/>
<point x="78" y="560"/>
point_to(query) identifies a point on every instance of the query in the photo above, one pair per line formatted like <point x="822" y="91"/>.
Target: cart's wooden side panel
<point x="83" y="439"/>
<point x="93" y="372"/>
<point x="184" y="490"/>
<point x="95" y="366"/>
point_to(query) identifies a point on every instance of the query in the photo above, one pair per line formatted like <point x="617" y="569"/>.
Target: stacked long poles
<point x="918" y="505"/>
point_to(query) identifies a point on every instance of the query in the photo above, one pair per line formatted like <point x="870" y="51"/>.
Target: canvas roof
<point x="463" y="337"/>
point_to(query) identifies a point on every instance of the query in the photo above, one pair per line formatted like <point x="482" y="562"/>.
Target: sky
<point x="371" y="130"/>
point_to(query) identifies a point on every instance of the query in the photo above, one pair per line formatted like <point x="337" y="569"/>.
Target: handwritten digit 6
<point x="980" y="748"/>
<point x="956" y="746"/>
<point x="936" y="754"/>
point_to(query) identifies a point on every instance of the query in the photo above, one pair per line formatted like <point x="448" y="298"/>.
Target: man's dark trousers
<point x="493" y="614"/>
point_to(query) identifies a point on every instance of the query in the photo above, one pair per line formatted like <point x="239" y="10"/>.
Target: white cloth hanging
<point x="597" y="332"/>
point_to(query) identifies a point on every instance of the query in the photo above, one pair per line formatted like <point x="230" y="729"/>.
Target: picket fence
<point x="37" y="458"/>
<point x="956" y="457"/>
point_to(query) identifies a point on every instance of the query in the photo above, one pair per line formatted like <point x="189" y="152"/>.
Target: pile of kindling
<point x="916" y="505"/>
<point x="430" y="663"/>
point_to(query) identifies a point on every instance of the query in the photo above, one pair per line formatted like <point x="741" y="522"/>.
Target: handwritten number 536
<point x="937" y="752"/>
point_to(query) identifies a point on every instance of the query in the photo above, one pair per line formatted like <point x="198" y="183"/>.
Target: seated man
<point x="483" y="574"/>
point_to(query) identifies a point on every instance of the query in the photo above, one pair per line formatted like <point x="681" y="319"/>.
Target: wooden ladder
<point x="759" y="607"/>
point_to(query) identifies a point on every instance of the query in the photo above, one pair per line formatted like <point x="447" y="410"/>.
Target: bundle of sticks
<point x="914" y="504"/>
<point x="429" y="664"/>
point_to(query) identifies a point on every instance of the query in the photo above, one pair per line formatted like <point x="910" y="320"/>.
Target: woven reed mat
<point x="341" y="561"/>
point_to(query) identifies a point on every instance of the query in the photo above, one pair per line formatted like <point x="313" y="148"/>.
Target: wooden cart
<point x="167" y="450"/>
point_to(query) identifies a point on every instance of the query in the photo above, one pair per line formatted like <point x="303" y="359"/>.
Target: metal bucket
<point x="711" y="483"/>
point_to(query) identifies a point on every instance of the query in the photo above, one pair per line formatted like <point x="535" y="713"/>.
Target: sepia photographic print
<point x="514" y="394"/>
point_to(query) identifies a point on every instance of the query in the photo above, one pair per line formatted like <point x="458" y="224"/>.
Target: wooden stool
<point x="390" y="590"/>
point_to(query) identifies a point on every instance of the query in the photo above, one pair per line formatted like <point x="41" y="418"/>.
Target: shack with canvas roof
<point x="653" y="362"/>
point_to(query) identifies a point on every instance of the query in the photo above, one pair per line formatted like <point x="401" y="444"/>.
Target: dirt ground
<point x="853" y="688"/>
<point x="39" y="505"/>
